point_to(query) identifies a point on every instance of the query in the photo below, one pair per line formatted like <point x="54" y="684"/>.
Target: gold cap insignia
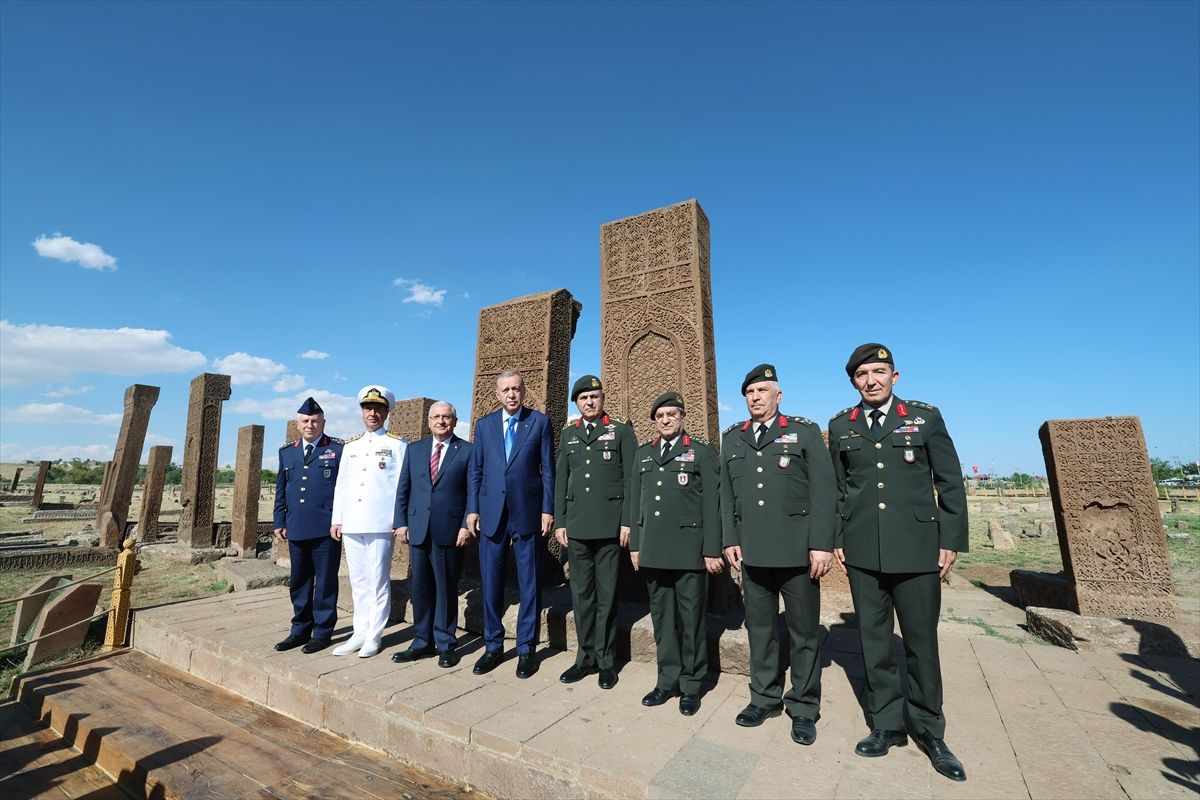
<point x="374" y="394"/>
<point x="595" y="383"/>
<point x="678" y="398"/>
<point x="882" y="353"/>
<point x="768" y="373"/>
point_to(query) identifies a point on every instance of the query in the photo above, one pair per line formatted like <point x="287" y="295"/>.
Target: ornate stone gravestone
<point x="36" y="501"/>
<point x="410" y="418"/>
<point x="208" y="392"/>
<point x="247" y="479"/>
<point x="152" y="491"/>
<point x="112" y="510"/>
<point x="1106" y="511"/>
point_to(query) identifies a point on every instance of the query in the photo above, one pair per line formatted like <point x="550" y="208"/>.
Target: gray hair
<point x="450" y="406"/>
<point x="508" y="373"/>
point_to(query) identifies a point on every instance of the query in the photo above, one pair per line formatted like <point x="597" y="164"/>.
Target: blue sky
<point x="317" y="196"/>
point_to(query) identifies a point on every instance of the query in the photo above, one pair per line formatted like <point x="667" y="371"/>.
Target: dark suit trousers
<point x="802" y="613"/>
<point x="493" y="558"/>
<point x="678" y="597"/>
<point x="917" y="600"/>
<point x="434" y="583"/>
<point x="314" y="585"/>
<point x="593" y="599"/>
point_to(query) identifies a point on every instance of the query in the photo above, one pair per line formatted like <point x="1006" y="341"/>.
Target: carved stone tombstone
<point x="292" y="432"/>
<point x="208" y="392"/>
<point x="530" y="335"/>
<point x="112" y="511"/>
<point x="152" y="492"/>
<point x="410" y="418"/>
<point x="16" y="478"/>
<point x="656" y="320"/>
<point x="64" y="621"/>
<point x="247" y="479"/>
<point x="1114" y="552"/>
<point x="40" y="485"/>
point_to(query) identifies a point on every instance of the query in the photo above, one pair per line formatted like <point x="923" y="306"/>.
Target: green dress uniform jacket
<point x="593" y="474"/>
<point x="890" y="519"/>
<point x="674" y="505"/>
<point x="777" y="497"/>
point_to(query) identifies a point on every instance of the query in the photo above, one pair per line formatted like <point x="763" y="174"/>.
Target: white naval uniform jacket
<point x="364" y="497"/>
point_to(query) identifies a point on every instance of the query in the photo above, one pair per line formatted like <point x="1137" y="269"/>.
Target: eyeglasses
<point x="666" y="415"/>
<point x="433" y="417"/>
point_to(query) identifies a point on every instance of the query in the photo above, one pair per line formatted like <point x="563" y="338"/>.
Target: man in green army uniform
<point x="595" y="460"/>
<point x="675" y="543"/>
<point x="896" y="541"/>
<point x="777" y="509"/>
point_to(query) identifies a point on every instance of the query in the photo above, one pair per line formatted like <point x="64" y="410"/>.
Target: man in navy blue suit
<point x="510" y="498"/>
<point x="431" y="506"/>
<point x="308" y="468"/>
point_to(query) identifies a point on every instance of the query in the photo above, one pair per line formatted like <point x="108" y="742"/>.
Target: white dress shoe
<point x="349" y="647"/>
<point x="368" y="650"/>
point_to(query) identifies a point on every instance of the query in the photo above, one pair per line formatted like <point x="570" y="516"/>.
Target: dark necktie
<point x="307" y="451"/>
<point x="589" y="428"/>
<point x="435" y="461"/>
<point x="666" y="449"/>
<point x="758" y="434"/>
<point x="876" y="418"/>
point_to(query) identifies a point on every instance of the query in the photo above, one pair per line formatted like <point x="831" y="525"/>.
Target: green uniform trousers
<point x="802" y="612"/>
<point x="916" y="598"/>
<point x="677" y="603"/>
<point x="593" y="582"/>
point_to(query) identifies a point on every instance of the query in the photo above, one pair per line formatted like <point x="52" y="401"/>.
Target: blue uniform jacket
<point x="304" y="489"/>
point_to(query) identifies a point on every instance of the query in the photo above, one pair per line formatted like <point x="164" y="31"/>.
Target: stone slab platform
<point x="1028" y="720"/>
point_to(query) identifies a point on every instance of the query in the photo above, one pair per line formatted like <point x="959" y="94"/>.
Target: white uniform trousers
<point x="369" y="562"/>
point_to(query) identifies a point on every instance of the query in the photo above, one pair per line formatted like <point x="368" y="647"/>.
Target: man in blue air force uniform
<point x="308" y="469"/>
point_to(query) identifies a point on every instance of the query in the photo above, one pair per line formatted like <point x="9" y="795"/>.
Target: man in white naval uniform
<point x="364" y="500"/>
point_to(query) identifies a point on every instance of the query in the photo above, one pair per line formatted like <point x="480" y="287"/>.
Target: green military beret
<point x="869" y="353"/>
<point x="585" y="384"/>
<point x="763" y="372"/>
<point x="667" y="399"/>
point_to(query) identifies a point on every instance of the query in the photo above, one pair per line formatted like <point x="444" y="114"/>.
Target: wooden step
<point x="160" y="732"/>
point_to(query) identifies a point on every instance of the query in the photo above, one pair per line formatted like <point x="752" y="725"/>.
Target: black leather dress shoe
<point x="608" y="678"/>
<point x="316" y="644"/>
<point x="412" y="654"/>
<point x="291" y="642"/>
<point x="526" y="665"/>
<point x="689" y="704"/>
<point x="878" y="741"/>
<point x="658" y="697"/>
<point x="576" y="673"/>
<point x="752" y="716"/>
<point x="488" y="662"/>
<point x="940" y="756"/>
<point x="804" y="730"/>
<point x="447" y="659"/>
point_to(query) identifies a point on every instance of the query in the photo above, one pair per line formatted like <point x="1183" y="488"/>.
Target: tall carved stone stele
<point x="40" y="485"/>
<point x="410" y="418"/>
<point x="200" y="458"/>
<point x="656" y="319"/>
<point x="1114" y="552"/>
<point x="292" y="432"/>
<point x="16" y="478"/>
<point x="112" y="510"/>
<point x="152" y="491"/>
<point x="247" y="484"/>
<point x="530" y="335"/>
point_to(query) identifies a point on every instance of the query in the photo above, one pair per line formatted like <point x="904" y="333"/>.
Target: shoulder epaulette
<point x="571" y="423"/>
<point x="336" y="440"/>
<point x="396" y="436"/>
<point x="803" y="420"/>
<point x="731" y="427"/>
<point x="648" y="442"/>
<point x="699" y="439"/>
<point x="288" y="445"/>
<point x="354" y="438"/>
<point x="919" y="404"/>
<point x="843" y="412"/>
<point x="618" y="420"/>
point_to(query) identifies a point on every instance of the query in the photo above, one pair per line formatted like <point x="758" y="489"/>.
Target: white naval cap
<point x="374" y="393"/>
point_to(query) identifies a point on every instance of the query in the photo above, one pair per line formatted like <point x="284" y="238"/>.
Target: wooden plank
<point x="36" y="763"/>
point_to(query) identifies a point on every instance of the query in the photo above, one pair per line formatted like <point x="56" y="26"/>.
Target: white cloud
<point x="243" y="368"/>
<point x="723" y="406"/>
<point x="463" y="430"/>
<point x="57" y="414"/>
<point x="53" y="452"/>
<point x="314" y="355"/>
<point x="31" y="354"/>
<point x="343" y="418"/>
<point x="64" y="248"/>
<point x="289" y="383"/>
<point x="421" y="293"/>
<point x="67" y="391"/>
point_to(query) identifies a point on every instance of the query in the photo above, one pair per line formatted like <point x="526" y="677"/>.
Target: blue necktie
<point x="510" y="436"/>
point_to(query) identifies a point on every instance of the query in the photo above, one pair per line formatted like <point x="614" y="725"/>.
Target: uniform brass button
<point x="662" y="469"/>
<point x="880" y="465"/>
<point x="587" y="474"/>
<point x="879" y="445"/>
<point x="587" y="461"/>
<point x="879" y="485"/>
<point x="656" y="513"/>
<point x="660" y="483"/>
<point x="760" y="469"/>
<point x="301" y="499"/>
<point x="589" y="447"/>
<point x="908" y="438"/>
<point x="304" y="477"/>
<point x="656" y="497"/>
<point x="761" y="502"/>
<point x="306" y="466"/>
<point x="587" y="488"/>
<point x="760" y="486"/>
<point x="882" y="506"/>
<point x="760" y="453"/>
<point x="302" y="488"/>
